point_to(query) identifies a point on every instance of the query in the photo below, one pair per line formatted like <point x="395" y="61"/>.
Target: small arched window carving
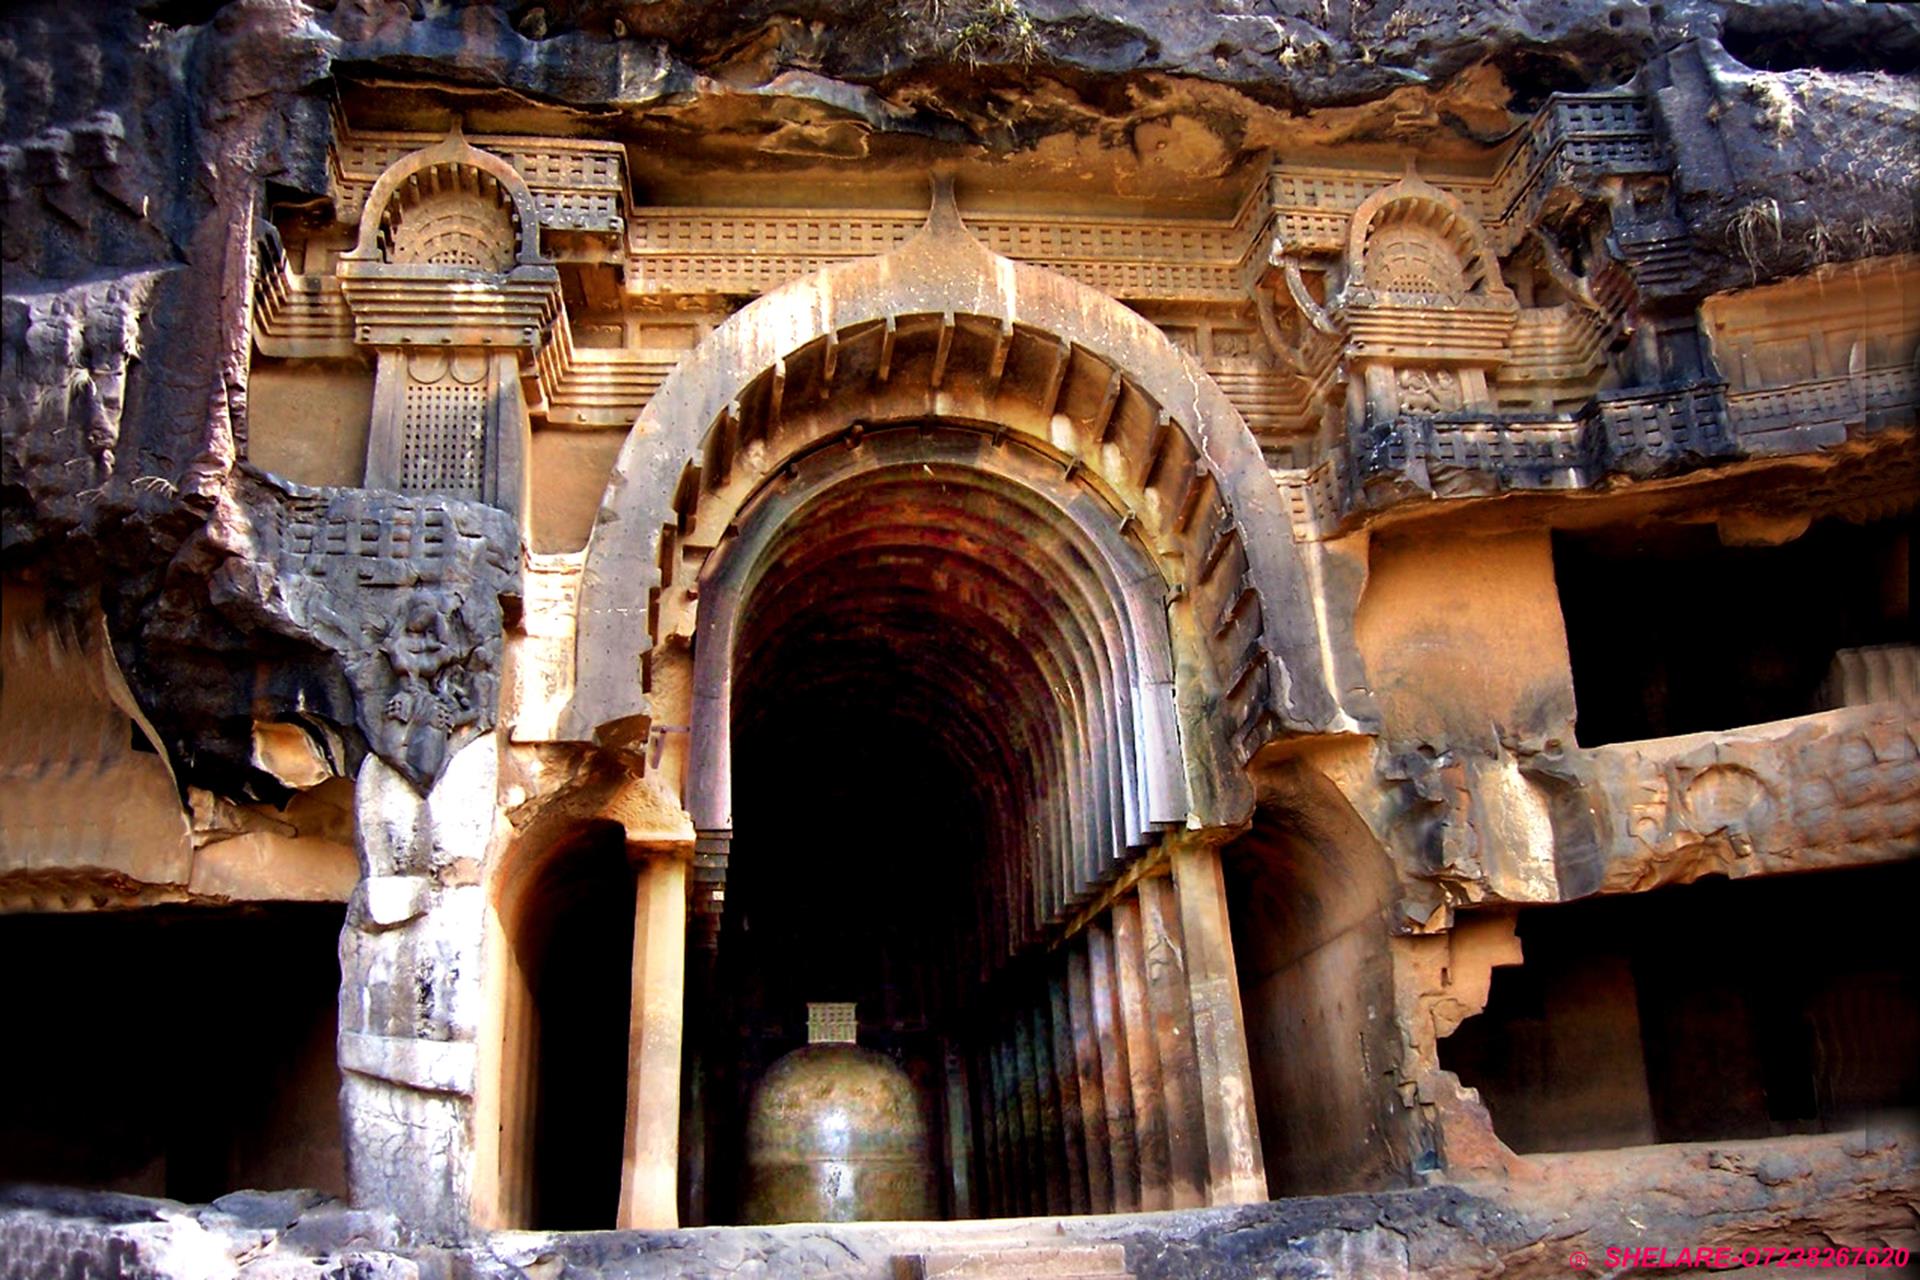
<point x="451" y="216"/>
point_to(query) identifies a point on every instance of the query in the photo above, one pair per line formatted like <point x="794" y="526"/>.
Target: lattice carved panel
<point x="444" y="429"/>
<point x="1404" y="258"/>
<point x="453" y="228"/>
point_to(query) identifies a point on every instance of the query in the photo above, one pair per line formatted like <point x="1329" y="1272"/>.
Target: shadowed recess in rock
<point x="1686" y="1015"/>
<point x="220" y="1074"/>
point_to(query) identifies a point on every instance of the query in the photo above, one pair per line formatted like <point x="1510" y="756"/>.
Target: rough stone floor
<point x="1557" y="1215"/>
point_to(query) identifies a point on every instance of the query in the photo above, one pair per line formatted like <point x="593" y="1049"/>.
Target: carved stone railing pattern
<point x="576" y="185"/>
<point x="735" y="251"/>
<point x="1454" y="455"/>
<point x="1645" y="429"/>
<point x="732" y="251"/>
<point x="1820" y="413"/>
<point x="583" y="186"/>
<point x="1575" y="138"/>
<point x="1808" y="378"/>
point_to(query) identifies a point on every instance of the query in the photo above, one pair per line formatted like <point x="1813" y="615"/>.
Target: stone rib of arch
<point x="1090" y="414"/>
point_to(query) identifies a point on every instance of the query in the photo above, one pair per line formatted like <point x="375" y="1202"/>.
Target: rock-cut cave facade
<point x="1139" y="641"/>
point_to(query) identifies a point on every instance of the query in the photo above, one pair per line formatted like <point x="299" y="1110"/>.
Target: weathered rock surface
<point x="1856" y="1190"/>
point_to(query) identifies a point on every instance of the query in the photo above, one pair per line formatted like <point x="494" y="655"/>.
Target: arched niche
<point x="1413" y="238"/>
<point x="1310" y="898"/>
<point x="472" y="201"/>
<point x="944" y="330"/>
<point x="552" y="1093"/>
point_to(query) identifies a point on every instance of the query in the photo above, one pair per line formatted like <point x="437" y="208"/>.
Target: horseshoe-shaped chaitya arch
<point x="943" y="329"/>
<point x="449" y="165"/>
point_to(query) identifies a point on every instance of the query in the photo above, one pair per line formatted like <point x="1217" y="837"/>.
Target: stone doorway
<point x="935" y="549"/>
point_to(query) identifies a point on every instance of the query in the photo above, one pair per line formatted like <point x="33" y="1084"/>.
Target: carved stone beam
<point x="1577" y="286"/>
<point x="1297" y="289"/>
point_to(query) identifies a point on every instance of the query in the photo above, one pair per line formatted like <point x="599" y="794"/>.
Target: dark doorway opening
<point x="944" y="690"/>
<point x="183" y="1052"/>
<point x="1308" y="893"/>
<point x="1755" y="640"/>
<point x="575" y="950"/>
<point x="1702" y="1012"/>
<point x="851" y="839"/>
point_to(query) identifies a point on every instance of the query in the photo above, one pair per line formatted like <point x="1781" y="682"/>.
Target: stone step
<point x="1023" y="1262"/>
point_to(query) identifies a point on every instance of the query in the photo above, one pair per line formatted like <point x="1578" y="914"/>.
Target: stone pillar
<point x="1152" y="1156"/>
<point x="1236" y="1171"/>
<point x="1046" y="1085"/>
<point x="959" y="1116"/>
<point x="1115" y="1077"/>
<point x="993" y="1179"/>
<point x="410" y="988"/>
<point x="1169" y="999"/>
<point x="1066" y="1074"/>
<point x="652" y="1153"/>
<point x="1093" y="1096"/>
<point x="515" y="1159"/>
<point x="992" y="1131"/>
<point x="1008" y="1131"/>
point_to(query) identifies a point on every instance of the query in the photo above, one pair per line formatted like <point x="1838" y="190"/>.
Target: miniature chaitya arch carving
<point x="450" y="205"/>
<point x="448" y="286"/>
<point x="1414" y="238"/>
<point x="1426" y="313"/>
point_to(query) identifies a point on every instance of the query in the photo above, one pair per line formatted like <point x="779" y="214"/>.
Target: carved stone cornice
<point x="1400" y="326"/>
<point x="425" y="306"/>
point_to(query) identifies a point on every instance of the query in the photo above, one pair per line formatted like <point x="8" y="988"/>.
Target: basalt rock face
<point x="419" y="393"/>
<point x="136" y="155"/>
<point x="142" y="143"/>
<point x="1295" y="56"/>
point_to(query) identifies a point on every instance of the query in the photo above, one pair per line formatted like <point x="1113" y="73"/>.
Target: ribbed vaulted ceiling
<point x="965" y="597"/>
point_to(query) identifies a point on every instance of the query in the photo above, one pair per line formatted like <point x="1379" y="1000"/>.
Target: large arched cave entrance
<point x="966" y="602"/>
<point x="951" y="725"/>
